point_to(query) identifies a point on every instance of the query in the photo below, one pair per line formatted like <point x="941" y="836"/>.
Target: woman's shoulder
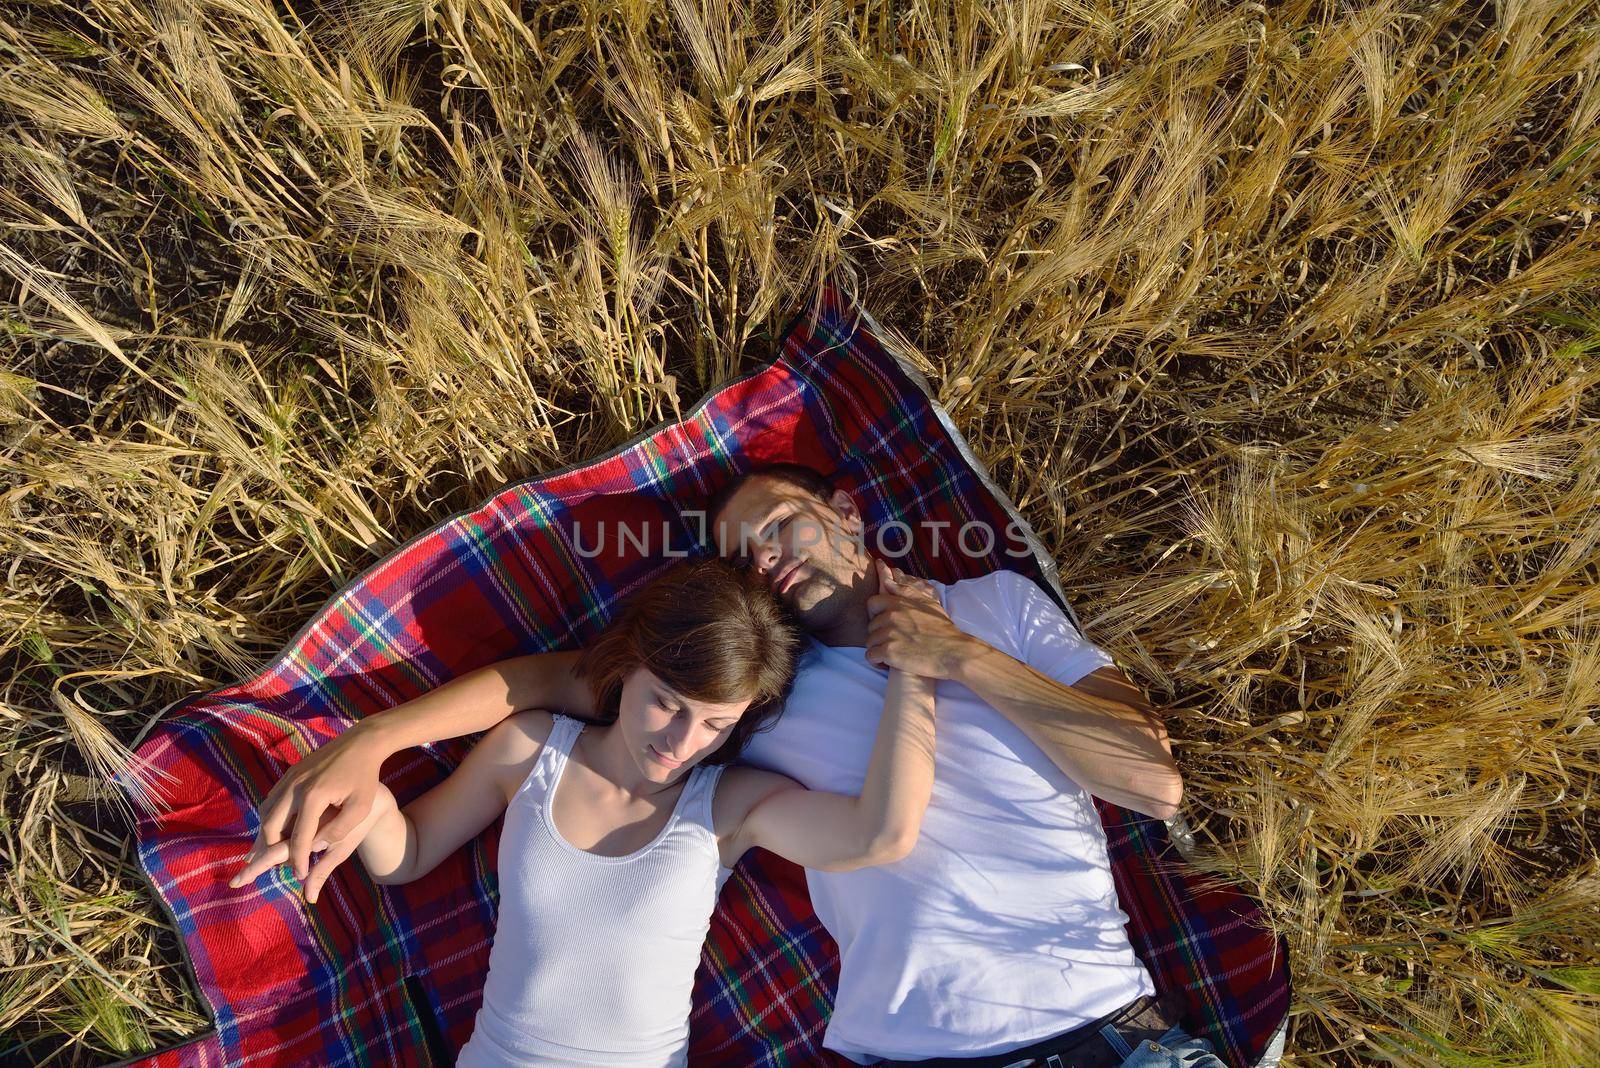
<point x="514" y="744"/>
<point x="740" y="789"/>
<point x="529" y="728"/>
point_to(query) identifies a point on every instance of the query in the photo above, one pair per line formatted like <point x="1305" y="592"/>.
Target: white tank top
<point x="594" y="957"/>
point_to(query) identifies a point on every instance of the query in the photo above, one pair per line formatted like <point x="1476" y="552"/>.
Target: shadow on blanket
<point x="393" y="975"/>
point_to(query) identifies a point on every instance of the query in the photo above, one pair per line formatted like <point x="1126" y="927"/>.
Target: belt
<point x="1144" y="1019"/>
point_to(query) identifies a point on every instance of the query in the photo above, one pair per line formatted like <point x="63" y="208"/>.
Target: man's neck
<point x="847" y="632"/>
<point x="851" y="629"/>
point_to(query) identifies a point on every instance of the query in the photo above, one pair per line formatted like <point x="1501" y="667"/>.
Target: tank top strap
<point x="702" y="791"/>
<point x="551" y="761"/>
<point x="705" y="817"/>
<point x="562" y="735"/>
<point x="558" y="747"/>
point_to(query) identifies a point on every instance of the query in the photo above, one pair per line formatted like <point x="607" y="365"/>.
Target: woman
<point x="618" y="834"/>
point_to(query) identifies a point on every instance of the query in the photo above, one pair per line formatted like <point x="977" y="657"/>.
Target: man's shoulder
<point x="1000" y="581"/>
<point x="818" y="677"/>
<point x="984" y="604"/>
<point x="814" y="667"/>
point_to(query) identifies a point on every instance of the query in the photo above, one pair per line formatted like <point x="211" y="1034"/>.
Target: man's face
<point x="809" y="549"/>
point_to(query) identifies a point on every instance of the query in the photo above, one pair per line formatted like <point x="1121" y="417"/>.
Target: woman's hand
<point x="260" y="859"/>
<point x="341" y="774"/>
<point x="909" y="629"/>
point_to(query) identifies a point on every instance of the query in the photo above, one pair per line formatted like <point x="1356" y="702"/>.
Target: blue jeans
<point x="1175" y="1049"/>
<point x="1179" y="1049"/>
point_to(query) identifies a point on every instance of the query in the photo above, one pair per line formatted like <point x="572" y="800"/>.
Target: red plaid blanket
<point x="394" y="975"/>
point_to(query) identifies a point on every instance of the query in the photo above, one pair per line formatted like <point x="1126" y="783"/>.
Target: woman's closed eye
<point x="717" y="726"/>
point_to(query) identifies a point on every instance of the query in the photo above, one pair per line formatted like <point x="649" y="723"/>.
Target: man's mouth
<point x="665" y="761"/>
<point x="787" y="577"/>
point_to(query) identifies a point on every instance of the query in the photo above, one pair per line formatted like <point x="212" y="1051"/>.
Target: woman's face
<point x="666" y="733"/>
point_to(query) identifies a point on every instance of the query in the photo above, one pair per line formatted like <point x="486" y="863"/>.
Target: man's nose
<point x="766" y="556"/>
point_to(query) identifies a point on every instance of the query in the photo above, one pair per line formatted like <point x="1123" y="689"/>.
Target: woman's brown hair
<point x="712" y="631"/>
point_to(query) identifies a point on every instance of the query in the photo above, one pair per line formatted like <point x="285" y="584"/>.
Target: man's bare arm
<point x="343" y="772"/>
<point x="1100" y="731"/>
<point x="480" y="699"/>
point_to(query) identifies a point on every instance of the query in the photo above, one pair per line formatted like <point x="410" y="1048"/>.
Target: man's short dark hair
<point x="807" y="478"/>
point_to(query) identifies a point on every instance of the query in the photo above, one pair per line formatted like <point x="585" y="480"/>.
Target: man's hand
<point x="260" y="859"/>
<point x="909" y="628"/>
<point x="341" y="773"/>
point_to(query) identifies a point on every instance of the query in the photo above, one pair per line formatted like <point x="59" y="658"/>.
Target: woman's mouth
<point x="664" y="761"/>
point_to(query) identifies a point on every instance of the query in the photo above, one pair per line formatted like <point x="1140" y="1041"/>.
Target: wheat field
<point x="1280" y="322"/>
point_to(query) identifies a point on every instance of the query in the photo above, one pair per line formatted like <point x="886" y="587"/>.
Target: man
<point x="999" y="940"/>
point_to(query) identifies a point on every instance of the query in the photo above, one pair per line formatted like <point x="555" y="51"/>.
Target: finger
<point x="910" y="585"/>
<point x="305" y="832"/>
<point x="264" y="860"/>
<point x="244" y="874"/>
<point x="879" y="602"/>
<point x="276" y="810"/>
<point x="350" y="815"/>
<point x="336" y="855"/>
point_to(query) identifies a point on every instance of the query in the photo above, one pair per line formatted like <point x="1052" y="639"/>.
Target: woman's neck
<point x="609" y="758"/>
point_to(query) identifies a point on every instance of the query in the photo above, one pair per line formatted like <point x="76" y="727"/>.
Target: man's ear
<point x="845" y="505"/>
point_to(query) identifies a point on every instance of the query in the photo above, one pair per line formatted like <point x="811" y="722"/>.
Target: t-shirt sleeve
<point x="1045" y="638"/>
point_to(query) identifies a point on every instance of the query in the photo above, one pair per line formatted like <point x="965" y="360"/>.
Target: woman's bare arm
<point x="836" y="832"/>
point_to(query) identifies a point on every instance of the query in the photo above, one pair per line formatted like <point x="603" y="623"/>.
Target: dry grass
<point x="1280" y="322"/>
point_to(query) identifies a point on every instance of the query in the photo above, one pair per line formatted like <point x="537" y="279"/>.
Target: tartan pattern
<point x="393" y="975"/>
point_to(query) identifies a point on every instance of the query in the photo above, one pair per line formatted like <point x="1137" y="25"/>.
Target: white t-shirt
<point x="1002" y="927"/>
